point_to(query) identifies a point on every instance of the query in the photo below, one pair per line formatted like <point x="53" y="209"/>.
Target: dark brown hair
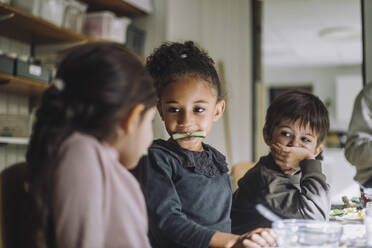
<point x="103" y="82"/>
<point x="174" y="60"/>
<point x="298" y="105"/>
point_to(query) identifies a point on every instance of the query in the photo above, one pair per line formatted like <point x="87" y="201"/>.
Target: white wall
<point x="340" y="175"/>
<point x="323" y="80"/>
<point x="155" y="26"/>
<point x="223" y="28"/>
<point x="346" y="90"/>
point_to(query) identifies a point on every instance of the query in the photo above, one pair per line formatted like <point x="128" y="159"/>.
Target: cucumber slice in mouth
<point x="198" y="134"/>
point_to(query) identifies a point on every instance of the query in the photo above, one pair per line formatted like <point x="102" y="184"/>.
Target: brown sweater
<point x="97" y="202"/>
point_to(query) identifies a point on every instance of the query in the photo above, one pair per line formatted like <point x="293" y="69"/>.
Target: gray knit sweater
<point x="188" y="195"/>
<point x="301" y="196"/>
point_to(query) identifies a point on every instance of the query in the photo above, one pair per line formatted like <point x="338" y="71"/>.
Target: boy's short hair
<point x="296" y="105"/>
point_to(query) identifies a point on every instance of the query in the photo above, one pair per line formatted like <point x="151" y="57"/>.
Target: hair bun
<point x="171" y="60"/>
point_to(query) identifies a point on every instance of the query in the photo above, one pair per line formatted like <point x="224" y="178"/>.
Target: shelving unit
<point x="119" y="7"/>
<point x="23" y="86"/>
<point x="19" y="25"/>
<point x="15" y="141"/>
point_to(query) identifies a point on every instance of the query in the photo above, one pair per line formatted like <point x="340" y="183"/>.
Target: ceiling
<point x="311" y="33"/>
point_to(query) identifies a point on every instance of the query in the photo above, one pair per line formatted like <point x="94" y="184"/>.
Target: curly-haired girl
<point x="185" y="181"/>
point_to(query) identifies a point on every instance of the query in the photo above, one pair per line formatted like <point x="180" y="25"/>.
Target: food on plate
<point x="347" y="213"/>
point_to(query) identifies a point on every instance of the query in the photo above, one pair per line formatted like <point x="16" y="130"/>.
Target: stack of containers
<point x="52" y="10"/>
<point x="98" y="24"/>
<point x="74" y="15"/>
<point x="119" y="28"/>
<point x="106" y="26"/>
<point x="66" y="13"/>
<point x="71" y="14"/>
<point x="30" y="6"/>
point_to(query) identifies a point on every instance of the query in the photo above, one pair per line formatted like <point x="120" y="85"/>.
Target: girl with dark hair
<point x="92" y="126"/>
<point x="185" y="181"/>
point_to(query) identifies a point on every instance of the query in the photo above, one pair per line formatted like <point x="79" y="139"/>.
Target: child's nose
<point x="294" y="142"/>
<point x="184" y="118"/>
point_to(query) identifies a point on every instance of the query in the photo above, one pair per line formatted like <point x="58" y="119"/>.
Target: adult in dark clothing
<point x="289" y="180"/>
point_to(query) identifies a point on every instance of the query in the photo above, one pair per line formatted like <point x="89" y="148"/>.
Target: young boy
<point x="289" y="180"/>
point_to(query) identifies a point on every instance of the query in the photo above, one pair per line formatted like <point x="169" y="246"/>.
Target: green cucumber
<point x="199" y="134"/>
<point x="338" y="212"/>
<point x="177" y="136"/>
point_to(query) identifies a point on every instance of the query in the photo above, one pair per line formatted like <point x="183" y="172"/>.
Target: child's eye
<point x="304" y="139"/>
<point x="173" y="110"/>
<point x="199" y="110"/>
<point x="286" y="134"/>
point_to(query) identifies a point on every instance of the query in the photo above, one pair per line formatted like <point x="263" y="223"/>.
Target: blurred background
<point x="317" y="46"/>
<point x="261" y="48"/>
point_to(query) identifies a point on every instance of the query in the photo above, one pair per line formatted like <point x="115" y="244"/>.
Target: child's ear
<point x="133" y="119"/>
<point x="318" y="150"/>
<point x="266" y="136"/>
<point x="158" y="106"/>
<point x="220" y="108"/>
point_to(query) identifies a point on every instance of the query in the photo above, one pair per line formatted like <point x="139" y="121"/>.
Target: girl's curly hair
<point x="173" y="60"/>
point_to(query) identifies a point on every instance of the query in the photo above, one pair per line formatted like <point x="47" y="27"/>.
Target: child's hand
<point x="289" y="157"/>
<point x="260" y="237"/>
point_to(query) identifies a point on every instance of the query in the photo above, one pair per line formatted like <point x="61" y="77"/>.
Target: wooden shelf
<point x="119" y="7"/>
<point x="32" y="29"/>
<point x="16" y="141"/>
<point x="37" y="31"/>
<point x="23" y="86"/>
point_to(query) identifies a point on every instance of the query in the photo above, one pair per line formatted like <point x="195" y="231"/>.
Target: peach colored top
<point x="97" y="202"/>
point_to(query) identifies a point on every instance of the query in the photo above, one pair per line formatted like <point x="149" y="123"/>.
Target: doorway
<point x="317" y="45"/>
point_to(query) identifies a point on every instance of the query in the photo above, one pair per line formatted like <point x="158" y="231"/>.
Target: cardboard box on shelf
<point x="6" y="64"/>
<point x="14" y="125"/>
<point x="32" y="71"/>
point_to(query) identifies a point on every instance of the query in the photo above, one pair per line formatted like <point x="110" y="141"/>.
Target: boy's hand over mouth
<point x="288" y="158"/>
